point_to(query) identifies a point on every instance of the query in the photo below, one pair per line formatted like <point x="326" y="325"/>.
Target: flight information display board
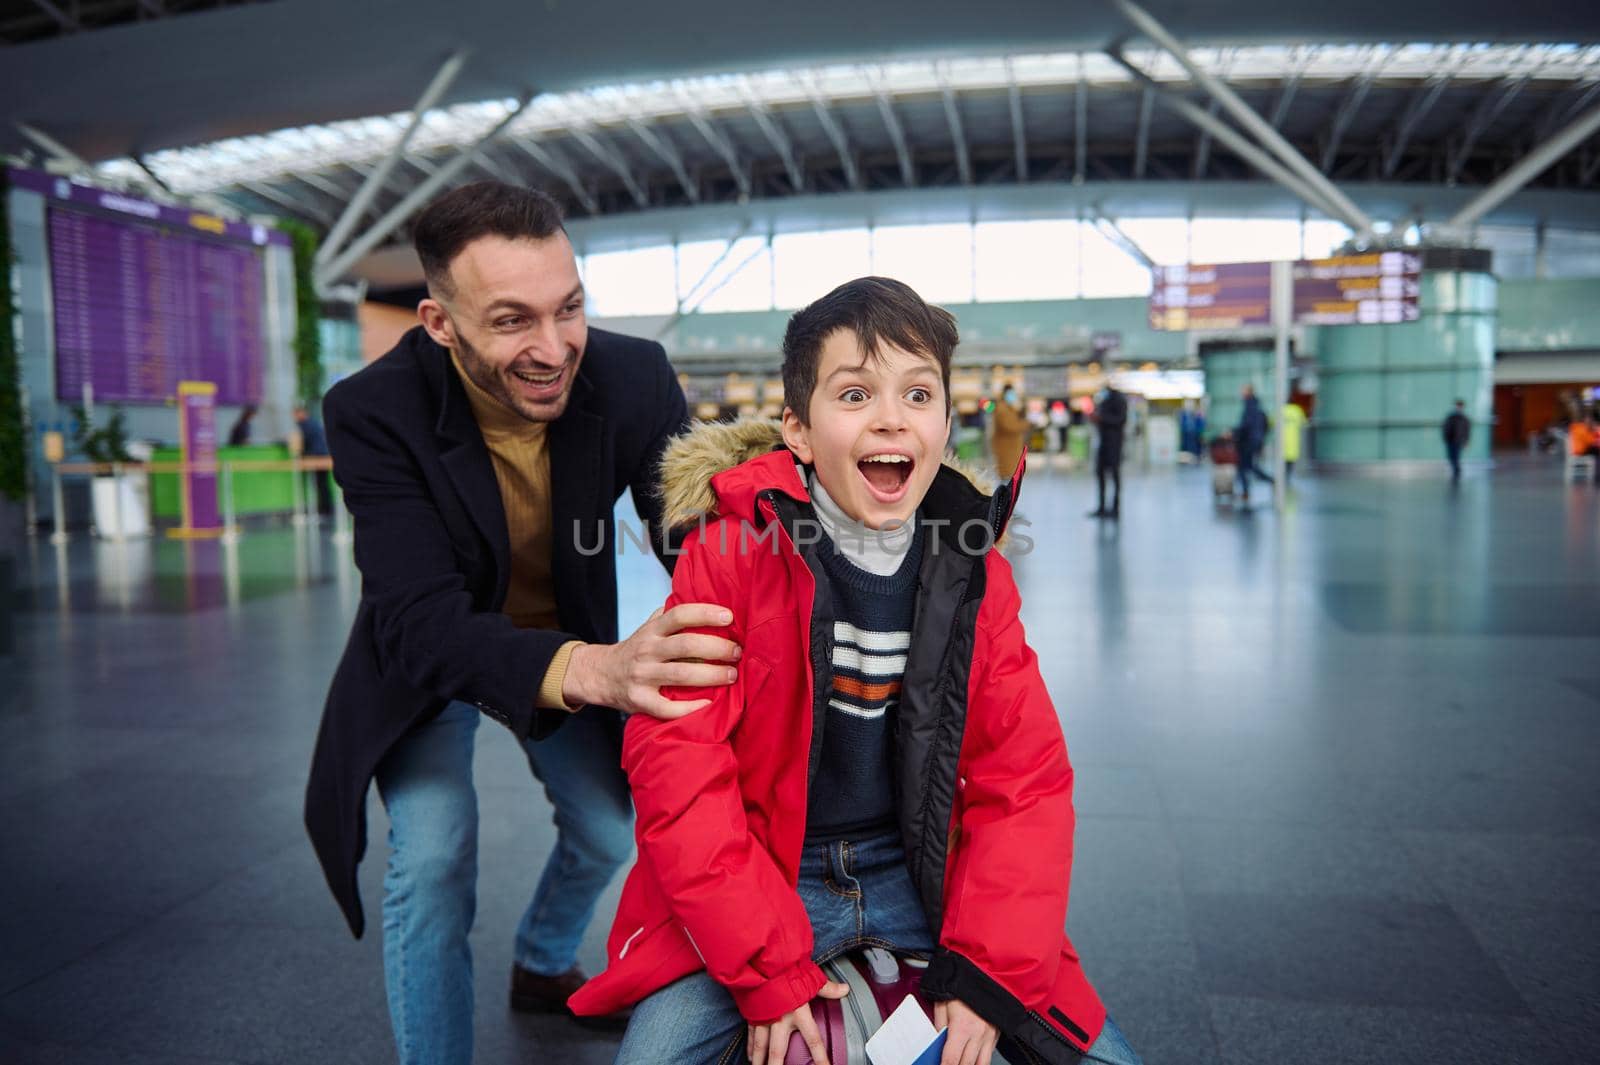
<point x="1211" y="296"/>
<point x="1380" y="287"/>
<point x="139" y="308"/>
<point x="1370" y="289"/>
<point x="146" y="295"/>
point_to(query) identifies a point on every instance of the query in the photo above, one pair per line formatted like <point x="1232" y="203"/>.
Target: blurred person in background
<point x="1457" y="430"/>
<point x="1294" y="423"/>
<point x="1584" y="439"/>
<point x="1191" y="430"/>
<point x="1011" y="429"/>
<point x="1249" y="437"/>
<point x="1111" y="415"/>
<point x="314" y="444"/>
<point x="239" y="435"/>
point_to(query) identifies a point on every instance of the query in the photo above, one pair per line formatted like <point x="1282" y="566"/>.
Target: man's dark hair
<point x="482" y="209"/>
<point x="877" y="310"/>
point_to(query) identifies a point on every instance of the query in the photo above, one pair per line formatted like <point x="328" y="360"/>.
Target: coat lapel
<point x="466" y="462"/>
<point x="577" y="510"/>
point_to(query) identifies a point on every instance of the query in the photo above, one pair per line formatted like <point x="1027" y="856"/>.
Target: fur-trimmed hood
<point x="707" y="449"/>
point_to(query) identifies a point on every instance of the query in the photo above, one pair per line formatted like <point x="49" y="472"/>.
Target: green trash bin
<point x="1079" y="439"/>
<point x="969" y="444"/>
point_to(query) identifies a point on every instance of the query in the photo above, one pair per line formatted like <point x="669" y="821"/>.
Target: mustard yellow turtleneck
<point x="519" y="450"/>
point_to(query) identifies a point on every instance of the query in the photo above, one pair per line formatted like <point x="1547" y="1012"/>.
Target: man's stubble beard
<point x="493" y="383"/>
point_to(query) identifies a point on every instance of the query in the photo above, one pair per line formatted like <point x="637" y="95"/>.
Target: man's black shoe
<point x="1102" y="513"/>
<point x="533" y="993"/>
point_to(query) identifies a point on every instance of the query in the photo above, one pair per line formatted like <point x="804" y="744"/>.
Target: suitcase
<point x="879" y="982"/>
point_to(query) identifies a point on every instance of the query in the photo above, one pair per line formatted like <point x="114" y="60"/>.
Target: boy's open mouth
<point x="886" y="474"/>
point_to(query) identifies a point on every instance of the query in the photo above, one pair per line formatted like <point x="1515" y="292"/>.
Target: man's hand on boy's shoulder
<point x="768" y="1044"/>
<point x="971" y="1040"/>
<point x="629" y="675"/>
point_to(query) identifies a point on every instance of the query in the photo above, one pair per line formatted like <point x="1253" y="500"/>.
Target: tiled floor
<point x="1337" y="784"/>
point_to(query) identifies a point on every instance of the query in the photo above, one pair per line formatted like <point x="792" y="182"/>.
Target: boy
<point x="888" y="770"/>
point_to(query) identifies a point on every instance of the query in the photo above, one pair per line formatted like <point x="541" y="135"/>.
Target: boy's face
<point x="877" y="432"/>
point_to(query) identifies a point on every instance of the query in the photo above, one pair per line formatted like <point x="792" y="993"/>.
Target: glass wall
<point x="995" y="262"/>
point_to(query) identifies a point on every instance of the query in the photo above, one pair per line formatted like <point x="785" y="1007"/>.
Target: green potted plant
<point x="121" y="506"/>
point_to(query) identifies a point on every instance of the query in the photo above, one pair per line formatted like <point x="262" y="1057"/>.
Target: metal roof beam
<point x="719" y="143"/>
<point x="1112" y="231"/>
<point x="957" y="135"/>
<point x="1235" y="141"/>
<point x="668" y="153"/>
<point x="1202" y="145"/>
<point x="1141" y="139"/>
<point x="58" y="151"/>
<point x="773" y="130"/>
<point x="1019" y="133"/>
<point x="1348" y="107"/>
<point x="836" y="134"/>
<point x="1080" y="125"/>
<point x="139" y="161"/>
<point x="1417" y="108"/>
<point x="727" y="250"/>
<point x="897" y="133"/>
<point x="495" y="169"/>
<point x="358" y="204"/>
<point x="1291" y="85"/>
<point x="1564" y="108"/>
<point x="332" y="271"/>
<point x="1483" y="116"/>
<point x="1527" y="168"/>
<point x="324" y="184"/>
<point x="683" y="305"/>
<point x="1270" y="138"/>
<point x="64" y="20"/>
<point x="551" y="158"/>
<point x="1590" y="170"/>
<point x="261" y="190"/>
<point x="613" y="161"/>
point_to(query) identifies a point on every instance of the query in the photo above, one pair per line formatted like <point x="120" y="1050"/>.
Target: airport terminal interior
<point x="1334" y="723"/>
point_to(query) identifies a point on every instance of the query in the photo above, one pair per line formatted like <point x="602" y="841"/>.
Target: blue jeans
<point x="430" y="887"/>
<point x="856" y="895"/>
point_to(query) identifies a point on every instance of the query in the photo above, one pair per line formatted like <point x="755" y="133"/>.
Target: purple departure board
<point x="140" y="306"/>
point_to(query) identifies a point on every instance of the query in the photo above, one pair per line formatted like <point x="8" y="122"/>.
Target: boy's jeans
<point x="430" y="888"/>
<point x="857" y="895"/>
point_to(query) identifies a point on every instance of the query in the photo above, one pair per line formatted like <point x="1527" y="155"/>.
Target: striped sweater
<point x="852" y="796"/>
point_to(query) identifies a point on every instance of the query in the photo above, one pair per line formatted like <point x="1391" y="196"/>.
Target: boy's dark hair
<point x="481" y="209"/>
<point x="877" y="310"/>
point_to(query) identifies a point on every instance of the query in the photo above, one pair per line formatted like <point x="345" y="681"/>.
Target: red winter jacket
<point x="984" y="786"/>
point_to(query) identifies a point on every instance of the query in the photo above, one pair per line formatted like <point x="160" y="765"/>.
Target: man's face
<point x="515" y="320"/>
<point x="878" y="429"/>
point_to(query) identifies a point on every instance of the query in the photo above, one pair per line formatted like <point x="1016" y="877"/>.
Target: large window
<point x="808" y="265"/>
<point x="714" y="275"/>
<point x="994" y="262"/>
<point x="935" y="260"/>
<point x="1025" y="260"/>
<point x="621" y="283"/>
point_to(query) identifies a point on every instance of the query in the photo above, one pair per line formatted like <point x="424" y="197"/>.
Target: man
<point x="1111" y="415"/>
<point x="314" y="444"/>
<point x="1249" y="437"/>
<point x="481" y="459"/>
<point x="1457" y="430"/>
